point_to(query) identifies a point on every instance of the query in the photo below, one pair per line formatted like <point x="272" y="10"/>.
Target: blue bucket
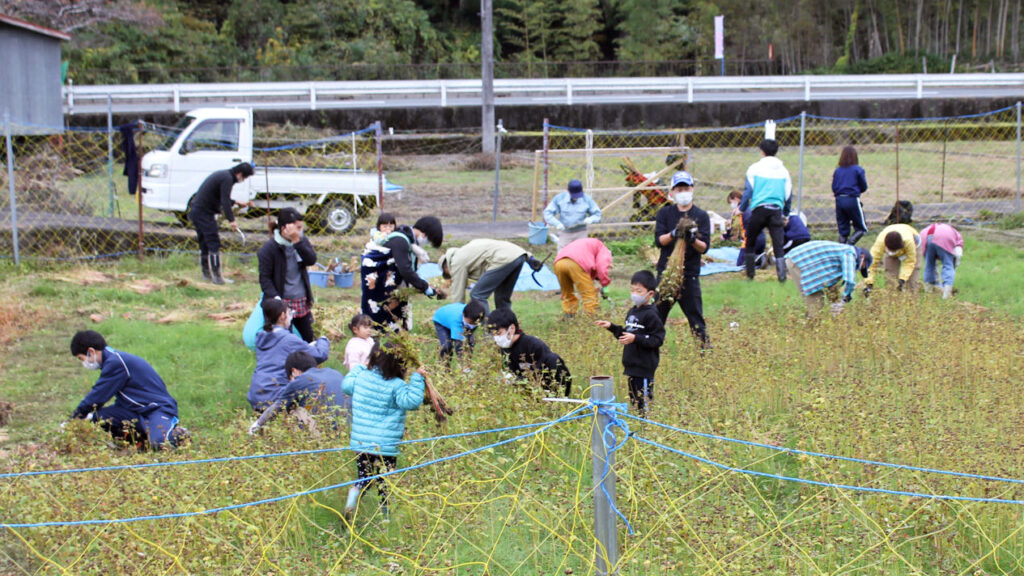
<point x="538" y="233"/>
<point x="343" y="279"/>
<point x="317" y="278"/>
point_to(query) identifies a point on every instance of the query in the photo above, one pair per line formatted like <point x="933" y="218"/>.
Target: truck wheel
<point x="337" y="216"/>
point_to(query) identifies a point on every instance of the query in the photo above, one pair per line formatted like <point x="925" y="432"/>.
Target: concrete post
<point x="497" y="168"/>
<point x="800" y="174"/>
<point x="379" y="132"/>
<point x="110" y="151"/>
<point x="487" y="74"/>
<point x="606" y="553"/>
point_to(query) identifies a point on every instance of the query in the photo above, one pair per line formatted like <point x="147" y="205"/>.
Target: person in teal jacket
<point x="380" y="399"/>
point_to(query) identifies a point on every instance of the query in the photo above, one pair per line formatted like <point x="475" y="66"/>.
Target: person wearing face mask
<point x="143" y="409"/>
<point x="817" y="268"/>
<point x="570" y="212"/>
<point x="455" y="324"/>
<point x="641" y="337"/>
<point x="896" y="249"/>
<point x="767" y="192"/>
<point x="273" y="345"/>
<point x="697" y="241"/>
<point x="283" y="264"/>
<point x="527" y="357"/>
<point x="391" y="265"/>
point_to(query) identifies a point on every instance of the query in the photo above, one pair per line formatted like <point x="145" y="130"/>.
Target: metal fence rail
<point x="562" y="91"/>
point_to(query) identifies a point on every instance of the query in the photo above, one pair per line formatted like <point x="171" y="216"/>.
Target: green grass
<point x="917" y="381"/>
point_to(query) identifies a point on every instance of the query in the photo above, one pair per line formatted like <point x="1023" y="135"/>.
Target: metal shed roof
<point x="34" y="27"/>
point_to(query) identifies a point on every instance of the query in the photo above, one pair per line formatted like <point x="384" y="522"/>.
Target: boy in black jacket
<point x="642" y="337"/>
<point x="527" y="355"/>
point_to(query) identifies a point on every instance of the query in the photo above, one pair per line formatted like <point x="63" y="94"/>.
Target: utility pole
<point x="487" y="73"/>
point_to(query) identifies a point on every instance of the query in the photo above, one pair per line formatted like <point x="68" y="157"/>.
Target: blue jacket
<point x="272" y="350"/>
<point x="379" y="407"/>
<point x="571" y="214"/>
<point x="318" y="388"/>
<point x="450" y="316"/>
<point x="767" y="184"/>
<point x="132" y="382"/>
<point x="849" y="181"/>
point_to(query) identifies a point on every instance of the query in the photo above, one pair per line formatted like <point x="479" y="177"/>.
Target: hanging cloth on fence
<point x="131" y="156"/>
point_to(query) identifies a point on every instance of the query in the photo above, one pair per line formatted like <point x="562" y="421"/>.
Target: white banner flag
<point x="719" y="37"/>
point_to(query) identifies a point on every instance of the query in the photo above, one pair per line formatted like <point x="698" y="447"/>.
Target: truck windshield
<point x="171" y="134"/>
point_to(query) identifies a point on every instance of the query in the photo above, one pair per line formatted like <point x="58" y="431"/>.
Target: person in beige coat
<point x="493" y="264"/>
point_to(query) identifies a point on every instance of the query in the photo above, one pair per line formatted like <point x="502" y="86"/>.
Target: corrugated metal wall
<point x="30" y="86"/>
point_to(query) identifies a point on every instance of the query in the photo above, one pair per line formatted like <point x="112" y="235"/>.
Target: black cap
<point x="431" y="228"/>
<point x="286" y="216"/>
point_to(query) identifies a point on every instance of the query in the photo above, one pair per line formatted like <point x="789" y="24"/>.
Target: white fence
<point x="509" y="92"/>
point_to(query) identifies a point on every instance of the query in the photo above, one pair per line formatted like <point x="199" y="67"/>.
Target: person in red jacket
<point x="577" y="266"/>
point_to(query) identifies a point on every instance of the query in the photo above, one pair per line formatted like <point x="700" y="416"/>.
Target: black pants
<point x="305" y="326"/>
<point x="692" y="304"/>
<point x="640" y="391"/>
<point x="768" y="217"/>
<point x="368" y="465"/>
<point x="207" y="230"/>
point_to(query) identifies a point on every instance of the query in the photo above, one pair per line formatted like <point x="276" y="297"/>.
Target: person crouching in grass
<point x="455" y="324"/>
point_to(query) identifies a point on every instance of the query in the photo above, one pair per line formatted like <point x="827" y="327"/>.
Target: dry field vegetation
<point x="900" y="379"/>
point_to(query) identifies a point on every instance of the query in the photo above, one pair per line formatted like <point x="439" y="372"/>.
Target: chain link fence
<point x="71" y="197"/>
<point x="953" y="168"/>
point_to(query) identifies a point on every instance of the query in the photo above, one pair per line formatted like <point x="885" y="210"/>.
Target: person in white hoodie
<point x="766" y="193"/>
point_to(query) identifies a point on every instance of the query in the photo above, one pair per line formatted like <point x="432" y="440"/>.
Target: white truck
<point x="211" y="139"/>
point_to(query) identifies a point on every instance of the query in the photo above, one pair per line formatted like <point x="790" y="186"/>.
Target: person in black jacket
<point x="642" y="337"/>
<point x="527" y="356"/>
<point x="213" y="197"/>
<point x="386" y="268"/>
<point x="284" y="260"/>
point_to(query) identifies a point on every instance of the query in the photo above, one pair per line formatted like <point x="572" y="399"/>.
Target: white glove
<point x="590" y="219"/>
<point x="254" y="428"/>
<point x="958" y="254"/>
<point x="837" y="308"/>
<point x="559" y="226"/>
<point x="508" y="377"/>
<point x="63" y="425"/>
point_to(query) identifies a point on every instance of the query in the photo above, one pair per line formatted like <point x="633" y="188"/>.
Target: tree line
<point x="215" y="40"/>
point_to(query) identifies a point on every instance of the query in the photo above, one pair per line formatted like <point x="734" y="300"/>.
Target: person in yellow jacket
<point x="493" y="264"/>
<point x="896" y="249"/>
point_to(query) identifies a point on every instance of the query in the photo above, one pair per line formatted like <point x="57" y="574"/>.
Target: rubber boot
<point x="204" y="262"/>
<point x="947" y="292"/>
<point x="843" y="239"/>
<point x="351" y="503"/>
<point x="856" y="236"/>
<point x="215" y="270"/>
<point x="748" y="261"/>
<point x="780" y="268"/>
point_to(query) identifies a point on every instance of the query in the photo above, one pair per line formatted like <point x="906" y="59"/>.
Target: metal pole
<point x="942" y="182"/>
<point x="897" y="173"/>
<point x="10" y="185"/>
<point x="497" y="169"/>
<point x="606" y="554"/>
<point x="138" y="189"/>
<point x="800" y="174"/>
<point x="487" y="74"/>
<point x="110" y="151"/>
<point x="1018" y="156"/>
<point x="380" y="166"/>
<point x="546" y="142"/>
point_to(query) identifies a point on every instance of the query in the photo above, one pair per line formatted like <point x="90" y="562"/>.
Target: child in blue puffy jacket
<point x="380" y="399"/>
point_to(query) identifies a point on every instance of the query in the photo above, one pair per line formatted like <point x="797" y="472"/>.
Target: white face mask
<point x="891" y="254"/>
<point x="504" y="340"/>
<point x="90" y="364"/>
<point x="421" y="240"/>
<point x="734" y="205"/>
<point x="638" y="299"/>
<point x="468" y="326"/>
<point x="684" y="198"/>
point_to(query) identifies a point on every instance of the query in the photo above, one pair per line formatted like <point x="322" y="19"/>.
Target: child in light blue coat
<point x="380" y="399"/>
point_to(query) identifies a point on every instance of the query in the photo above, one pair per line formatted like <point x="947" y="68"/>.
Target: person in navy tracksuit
<point x="848" y="183"/>
<point x="143" y="410"/>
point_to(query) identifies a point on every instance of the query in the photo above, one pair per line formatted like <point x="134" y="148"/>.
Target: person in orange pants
<point x="577" y="266"/>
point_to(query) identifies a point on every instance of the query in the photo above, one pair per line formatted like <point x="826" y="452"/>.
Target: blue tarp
<point x="729" y="255"/>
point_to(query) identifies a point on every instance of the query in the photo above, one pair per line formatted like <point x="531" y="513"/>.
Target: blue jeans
<point x="933" y="252"/>
<point x="450" y="346"/>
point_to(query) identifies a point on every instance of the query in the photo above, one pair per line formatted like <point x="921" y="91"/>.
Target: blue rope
<point x="928" y="119"/>
<point x="829" y="456"/>
<point x="210" y="511"/>
<point x="610" y="409"/>
<point x="826" y="484"/>
<point x="272" y="455"/>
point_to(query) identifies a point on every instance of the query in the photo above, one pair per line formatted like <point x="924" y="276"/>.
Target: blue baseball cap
<point x="575" y="188"/>
<point x="682" y="178"/>
<point x="867" y="260"/>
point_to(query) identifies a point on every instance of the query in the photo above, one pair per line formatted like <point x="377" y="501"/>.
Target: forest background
<point x="146" y="41"/>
